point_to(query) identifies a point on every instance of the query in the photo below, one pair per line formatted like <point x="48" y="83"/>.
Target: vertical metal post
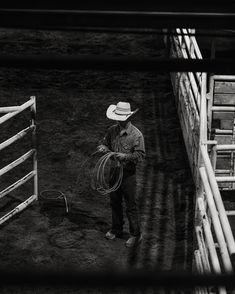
<point x="202" y="129"/>
<point x="34" y="142"/>
<point x="203" y="111"/>
<point x="232" y="173"/>
<point x="213" y="157"/>
<point x="202" y="139"/>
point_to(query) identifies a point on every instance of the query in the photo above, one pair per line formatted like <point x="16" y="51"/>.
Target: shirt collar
<point x="127" y="130"/>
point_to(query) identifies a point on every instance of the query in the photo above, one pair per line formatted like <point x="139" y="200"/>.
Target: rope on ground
<point x="53" y="195"/>
<point x="99" y="182"/>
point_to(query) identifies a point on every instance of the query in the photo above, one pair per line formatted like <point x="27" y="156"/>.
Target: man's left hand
<point x="120" y="156"/>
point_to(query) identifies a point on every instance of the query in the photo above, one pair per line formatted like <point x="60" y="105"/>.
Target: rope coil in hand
<point x="99" y="182"/>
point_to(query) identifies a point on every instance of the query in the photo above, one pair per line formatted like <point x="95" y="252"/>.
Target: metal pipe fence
<point x="10" y="113"/>
<point x="214" y="240"/>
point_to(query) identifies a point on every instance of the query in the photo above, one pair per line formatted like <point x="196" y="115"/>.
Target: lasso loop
<point x="99" y="182"/>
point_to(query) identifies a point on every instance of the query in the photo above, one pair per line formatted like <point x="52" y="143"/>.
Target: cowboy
<point x="127" y="142"/>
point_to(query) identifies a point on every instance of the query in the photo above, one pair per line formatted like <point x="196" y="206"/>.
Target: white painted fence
<point x="10" y="112"/>
<point x="214" y="240"/>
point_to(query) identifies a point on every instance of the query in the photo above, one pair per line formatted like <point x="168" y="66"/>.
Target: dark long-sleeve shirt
<point x="129" y="141"/>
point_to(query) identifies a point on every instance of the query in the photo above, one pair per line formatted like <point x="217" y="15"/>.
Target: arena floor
<point x="71" y="120"/>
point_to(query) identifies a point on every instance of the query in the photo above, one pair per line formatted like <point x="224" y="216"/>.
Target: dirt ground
<point x="71" y="120"/>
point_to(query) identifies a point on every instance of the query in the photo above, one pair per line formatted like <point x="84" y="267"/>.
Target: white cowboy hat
<point x="121" y="111"/>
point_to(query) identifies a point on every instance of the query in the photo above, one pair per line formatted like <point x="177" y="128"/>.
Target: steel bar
<point x="17" y="184"/>
<point x="230" y="212"/>
<point x="203" y="111"/>
<point x="223" y="108"/>
<point x="225" y="179"/>
<point x="35" y="160"/>
<point x="213" y="157"/>
<point x="198" y="260"/>
<point x="219" y="131"/>
<point x="15" y="163"/>
<point x="12" y="114"/>
<point x="182" y="5"/>
<point x="216" y="222"/>
<point x="225" y="147"/>
<point x="9" y="109"/>
<point x="219" y="203"/>
<point x="202" y="249"/>
<point x="54" y="19"/>
<point x="223" y="78"/>
<point x="209" y="238"/>
<point x="17" y="209"/>
<point x="222" y="171"/>
<point x="16" y="137"/>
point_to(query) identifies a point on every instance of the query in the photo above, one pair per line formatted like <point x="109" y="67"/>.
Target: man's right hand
<point x="102" y="148"/>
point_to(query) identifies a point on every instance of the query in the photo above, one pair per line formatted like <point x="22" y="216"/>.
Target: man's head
<point x="123" y="124"/>
<point x="120" y="112"/>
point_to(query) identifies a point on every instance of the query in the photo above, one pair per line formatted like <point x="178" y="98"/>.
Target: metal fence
<point x="10" y="112"/>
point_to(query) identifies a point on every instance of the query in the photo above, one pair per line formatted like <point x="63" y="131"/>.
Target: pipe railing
<point x="215" y="245"/>
<point x="190" y="50"/>
<point x="12" y="111"/>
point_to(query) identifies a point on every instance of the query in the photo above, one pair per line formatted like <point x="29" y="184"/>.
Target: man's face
<point x="123" y="124"/>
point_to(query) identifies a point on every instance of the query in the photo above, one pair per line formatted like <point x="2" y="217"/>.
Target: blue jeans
<point x="126" y="191"/>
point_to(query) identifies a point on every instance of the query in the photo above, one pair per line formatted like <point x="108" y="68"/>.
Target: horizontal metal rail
<point x="222" y="171"/>
<point x="223" y="78"/>
<point x="219" y="131"/>
<point x="223" y="108"/>
<point x="54" y="19"/>
<point x="225" y="179"/>
<point x="17" y="184"/>
<point x="9" y="109"/>
<point x="230" y="212"/>
<point x="228" y="147"/>
<point x="15" y="163"/>
<point x="12" y="114"/>
<point x="18" y="136"/>
<point x="18" y="208"/>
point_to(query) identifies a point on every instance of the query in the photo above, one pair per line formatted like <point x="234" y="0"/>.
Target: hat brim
<point x="110" y="113"/>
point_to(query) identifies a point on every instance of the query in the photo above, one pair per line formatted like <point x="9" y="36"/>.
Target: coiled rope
<point x="54" y="195"/>
<point x="102" y="167"/>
